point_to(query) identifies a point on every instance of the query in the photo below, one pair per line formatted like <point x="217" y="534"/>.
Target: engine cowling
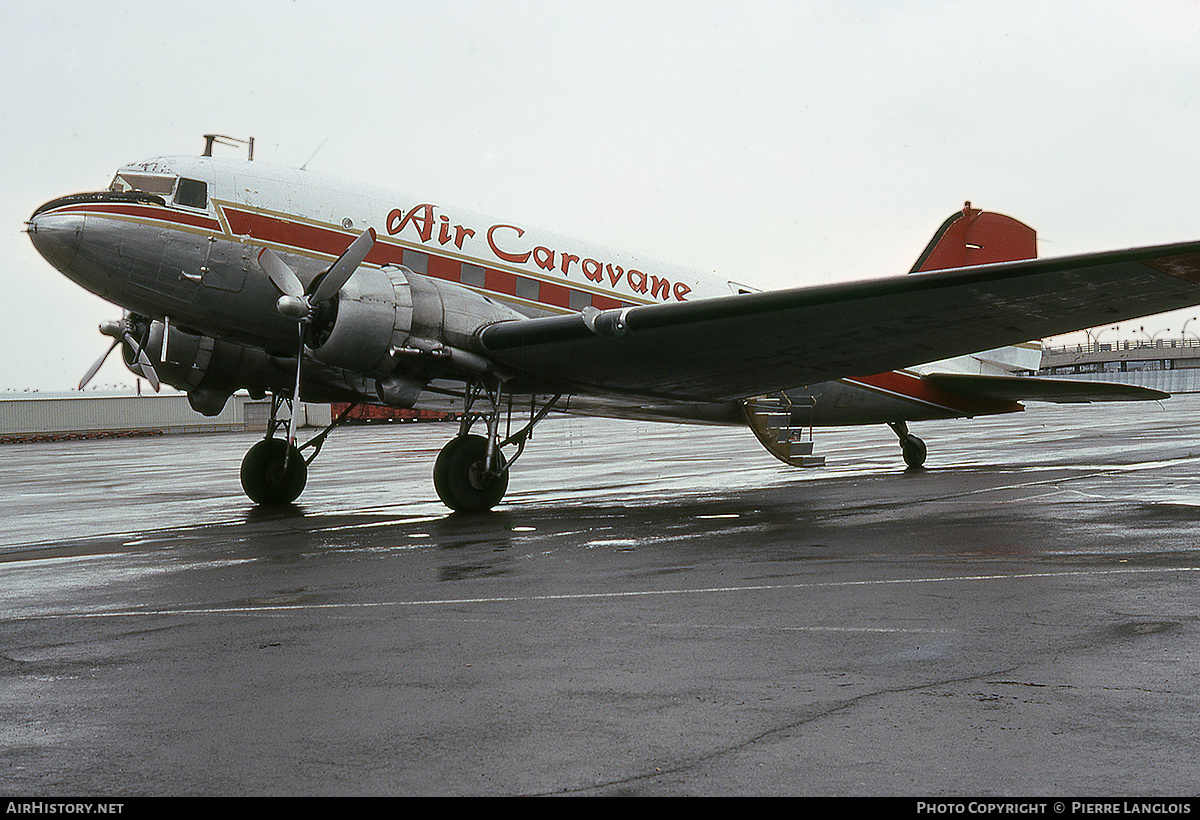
<point x="359" y="327"/>
<point x="381" y="314"/>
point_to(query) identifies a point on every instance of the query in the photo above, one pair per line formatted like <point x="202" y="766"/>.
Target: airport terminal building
<point x="1170" y="365"/>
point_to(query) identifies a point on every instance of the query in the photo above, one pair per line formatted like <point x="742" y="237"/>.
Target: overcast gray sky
<point x="780" y="143"/>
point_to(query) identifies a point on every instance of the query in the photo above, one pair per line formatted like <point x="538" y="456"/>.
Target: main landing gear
<point x="913" y="448"/>
<point x="274" y="471"/>
<point x="471" y="472"/>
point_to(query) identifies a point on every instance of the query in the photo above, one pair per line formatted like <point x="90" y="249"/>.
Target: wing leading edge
<point x="738" y="346"/>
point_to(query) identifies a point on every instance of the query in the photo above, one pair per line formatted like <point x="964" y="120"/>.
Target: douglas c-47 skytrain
<point x="235" y="274"/>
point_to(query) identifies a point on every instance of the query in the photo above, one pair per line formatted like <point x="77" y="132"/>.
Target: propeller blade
<point x="283" y="277"/>
<point x="344" y="267"/>
<point x="295" y="404"/>
<point x="148" y="370"/>
<point x="87" y="377"/>
<point x="143" y="362"/>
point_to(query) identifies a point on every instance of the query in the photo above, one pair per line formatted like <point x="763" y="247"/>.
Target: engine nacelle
<point x="381" y="314"/>
<point x="209" y="370"/>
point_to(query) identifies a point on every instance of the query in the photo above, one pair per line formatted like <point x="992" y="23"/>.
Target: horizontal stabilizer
<point x="1032" y="388"/>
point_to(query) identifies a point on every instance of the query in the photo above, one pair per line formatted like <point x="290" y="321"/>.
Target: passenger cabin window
<point x="191" y="192"/>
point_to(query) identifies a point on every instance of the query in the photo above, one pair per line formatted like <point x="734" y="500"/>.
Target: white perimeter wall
<point x="83" y="413"/>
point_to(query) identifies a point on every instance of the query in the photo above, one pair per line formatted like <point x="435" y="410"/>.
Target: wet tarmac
<point x="654" y="610"/>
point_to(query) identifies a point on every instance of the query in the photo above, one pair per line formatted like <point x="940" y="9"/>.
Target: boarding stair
<point x="778" y="423"/>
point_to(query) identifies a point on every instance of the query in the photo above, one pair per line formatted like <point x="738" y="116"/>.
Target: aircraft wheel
<point x="263" y="477"/>
<point x="914" y="451"/>
<point x="461" y="479"/>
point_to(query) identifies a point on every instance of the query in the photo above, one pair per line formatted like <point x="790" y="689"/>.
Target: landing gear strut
<point x="913" y="448"/>
<point x="471" y="473"/>
<point x="275" y="471"/>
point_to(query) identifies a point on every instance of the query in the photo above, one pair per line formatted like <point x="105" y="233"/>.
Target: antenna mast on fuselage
<point x="221" y="139"/>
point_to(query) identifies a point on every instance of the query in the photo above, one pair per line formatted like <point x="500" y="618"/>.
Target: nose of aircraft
<point x="56" y="236"/>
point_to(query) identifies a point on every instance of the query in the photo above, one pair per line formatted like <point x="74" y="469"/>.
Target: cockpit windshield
<point x="190" y="192"/>
<point x="161" y="184"/>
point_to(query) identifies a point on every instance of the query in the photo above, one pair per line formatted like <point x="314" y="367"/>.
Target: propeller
<point x="296" y="303"/>
<point x="122" y="331"/>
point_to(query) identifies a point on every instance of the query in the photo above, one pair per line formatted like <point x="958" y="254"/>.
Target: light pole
<point x="1183" y="333"/>
<point x="1095" y="337"/>
<point x="1150" y="338"/>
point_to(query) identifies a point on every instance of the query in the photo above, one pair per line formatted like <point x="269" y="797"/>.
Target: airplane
<point x="236" y="274"/>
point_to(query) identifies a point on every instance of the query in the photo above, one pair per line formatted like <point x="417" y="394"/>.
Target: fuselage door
<point x="207" y="256"/>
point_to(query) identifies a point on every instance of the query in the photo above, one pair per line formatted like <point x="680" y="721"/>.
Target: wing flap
<point x="738" y="346"/>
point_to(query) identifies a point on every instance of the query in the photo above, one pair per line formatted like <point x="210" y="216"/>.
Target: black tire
<point x="263" y="478"/>
<point x="460" y="478"/>
<point x="914" y="452"/>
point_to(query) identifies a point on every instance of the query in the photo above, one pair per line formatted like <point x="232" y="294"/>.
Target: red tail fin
<point x="975" y="237"/>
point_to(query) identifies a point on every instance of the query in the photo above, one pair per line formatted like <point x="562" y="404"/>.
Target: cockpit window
<point x="191" y="192"/>
<point x="162" y="184"/>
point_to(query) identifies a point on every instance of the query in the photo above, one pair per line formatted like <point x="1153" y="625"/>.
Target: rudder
<point x="975" y="237"/>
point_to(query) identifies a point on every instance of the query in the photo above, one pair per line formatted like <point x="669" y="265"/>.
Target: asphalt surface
<point x="653" y="610"/>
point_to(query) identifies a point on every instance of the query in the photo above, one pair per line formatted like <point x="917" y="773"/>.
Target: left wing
<point x="738" y="346"/>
